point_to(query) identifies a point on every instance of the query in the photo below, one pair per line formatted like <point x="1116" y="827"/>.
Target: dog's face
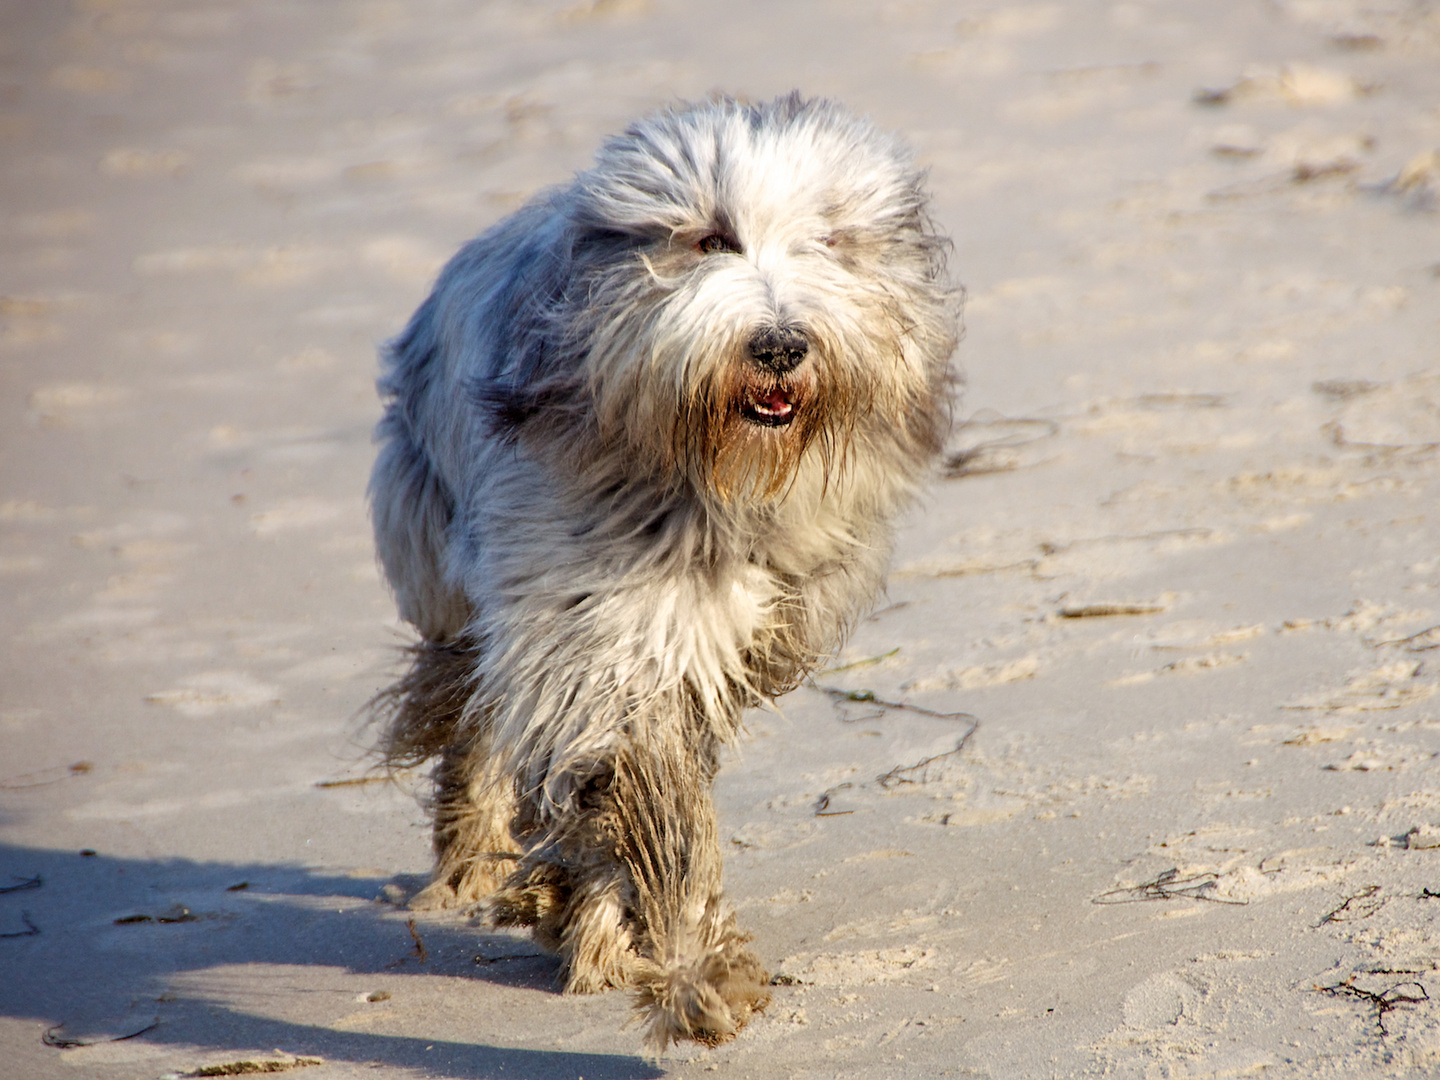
<point x="758" y="288"/>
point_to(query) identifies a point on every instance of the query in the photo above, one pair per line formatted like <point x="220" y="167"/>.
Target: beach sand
<point x="1132" y="773"/>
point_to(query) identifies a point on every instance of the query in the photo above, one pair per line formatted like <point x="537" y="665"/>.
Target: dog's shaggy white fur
<point x="641" y="450"/>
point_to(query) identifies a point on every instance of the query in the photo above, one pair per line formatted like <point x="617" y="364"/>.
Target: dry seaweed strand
<point x="250" y="1068"/>
<point x="1169" y="886"/>
<point x="30" y="928"/>
<point x="1361" y="910"/>
<point x="1420" y="641"/>
<point x="46" y="777"/>
<point x="52" y="1037"/>
<point x="860" y="663"/>
<point x="1384" y="1002"/>
<point x="901" y="774"/>
<point x="822" y="804"/>
<point x="904" y="774"/>
<point x="177" y="914"/>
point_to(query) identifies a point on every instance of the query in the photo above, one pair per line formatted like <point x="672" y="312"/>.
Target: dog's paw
<point x="707" y="1000"/>
<point x="434" y="897"/>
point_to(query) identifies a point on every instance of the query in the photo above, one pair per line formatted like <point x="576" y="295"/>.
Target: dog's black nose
<point x="778" y="349"/>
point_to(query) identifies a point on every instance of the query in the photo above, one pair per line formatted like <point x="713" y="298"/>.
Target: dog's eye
<point x="716" y="243"/>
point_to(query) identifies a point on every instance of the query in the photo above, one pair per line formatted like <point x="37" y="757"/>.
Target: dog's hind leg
<point x="427" y="718"/>
<point x="475" y="850"/>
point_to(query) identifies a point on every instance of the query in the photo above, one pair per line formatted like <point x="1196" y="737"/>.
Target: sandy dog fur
<point x="641" y="450"/>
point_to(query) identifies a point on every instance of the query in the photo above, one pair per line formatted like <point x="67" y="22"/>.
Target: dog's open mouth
<point x="770" y="406"/>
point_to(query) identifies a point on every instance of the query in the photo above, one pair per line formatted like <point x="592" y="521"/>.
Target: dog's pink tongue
<point x="775" y="402"/>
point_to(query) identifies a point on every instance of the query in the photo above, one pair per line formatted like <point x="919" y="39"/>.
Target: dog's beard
<point x="745" y="434"/>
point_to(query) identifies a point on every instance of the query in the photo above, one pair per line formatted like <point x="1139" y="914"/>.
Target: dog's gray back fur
<point x="569" y="499"/>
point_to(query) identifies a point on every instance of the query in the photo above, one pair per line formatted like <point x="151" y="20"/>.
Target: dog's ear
<point x="510" y="406"/>
<point x="599" y="242"/>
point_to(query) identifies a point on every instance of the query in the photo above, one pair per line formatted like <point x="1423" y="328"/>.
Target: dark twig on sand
<point x="419" y="944"/>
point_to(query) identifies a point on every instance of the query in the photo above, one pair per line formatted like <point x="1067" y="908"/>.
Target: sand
<point x="1182" y="569"/>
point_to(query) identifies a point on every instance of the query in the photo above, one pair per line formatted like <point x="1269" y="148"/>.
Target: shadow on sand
<point x="203" y="946"/>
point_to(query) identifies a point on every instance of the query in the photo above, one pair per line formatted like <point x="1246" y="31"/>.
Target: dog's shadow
<point x="97" y="948"/>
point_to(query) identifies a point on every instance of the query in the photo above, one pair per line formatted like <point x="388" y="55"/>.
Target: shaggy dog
<point x="641" y="450"/>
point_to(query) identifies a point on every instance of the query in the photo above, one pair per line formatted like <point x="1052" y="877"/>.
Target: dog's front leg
<point x="624" y="882"/>
<point x="696" y="977"/>
<point x="571" y="888"/>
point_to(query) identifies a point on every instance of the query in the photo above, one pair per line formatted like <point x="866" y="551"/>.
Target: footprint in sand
<point x="1160" y="1000"/>
<point x="1403" y="415"/>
